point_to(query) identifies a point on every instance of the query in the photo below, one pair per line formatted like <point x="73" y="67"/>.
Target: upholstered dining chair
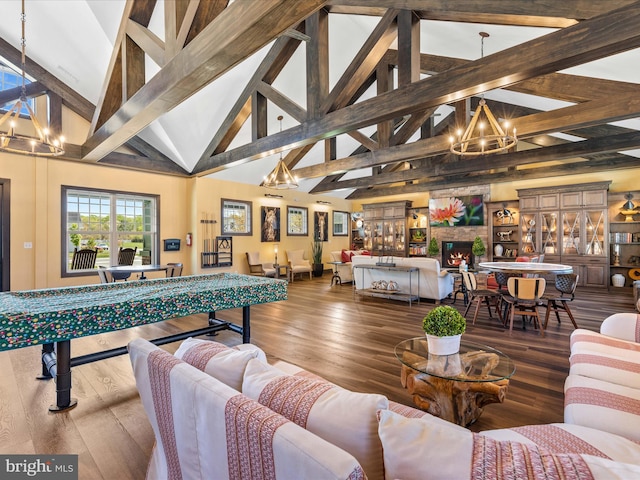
<point x="174" y="270"/>
<point x="480" y="295"/>
<point x="524" y="299"/>
<point x="256" y="267"/>
<point x="298" y="263"/>
<point x="565" y="284"/>
<point x="83" y="259"/>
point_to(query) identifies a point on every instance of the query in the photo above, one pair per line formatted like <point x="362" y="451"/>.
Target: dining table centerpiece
<point x="444" y="327"/>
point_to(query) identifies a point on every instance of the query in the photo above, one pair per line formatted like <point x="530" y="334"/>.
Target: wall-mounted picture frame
<point x="341" y="222"/>
<point x="321" y="226"/>
<point x="270" y="224"/>
<point x="237" y="217"/>
<point x="461" y="211"/>
<point x="297" y="221"/>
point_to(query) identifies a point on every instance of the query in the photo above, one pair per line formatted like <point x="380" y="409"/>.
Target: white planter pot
<point x="443" y="345"/>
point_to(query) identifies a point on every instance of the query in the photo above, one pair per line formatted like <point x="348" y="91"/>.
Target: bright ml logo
<point x="49" y="467"/>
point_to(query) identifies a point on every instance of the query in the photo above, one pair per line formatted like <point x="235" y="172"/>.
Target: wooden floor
<point x="321" y="328"/>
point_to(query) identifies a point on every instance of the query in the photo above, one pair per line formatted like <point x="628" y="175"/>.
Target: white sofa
<point x="603" y="387"/>
<point x="435" y="283"/>
<point x="225" y="413"/>
<point x="344" y="269"/>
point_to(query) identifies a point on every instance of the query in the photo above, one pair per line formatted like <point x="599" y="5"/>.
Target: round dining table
<point x="525" y="267"/>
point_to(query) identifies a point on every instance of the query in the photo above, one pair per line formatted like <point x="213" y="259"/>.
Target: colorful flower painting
<point x="456" y="211"/>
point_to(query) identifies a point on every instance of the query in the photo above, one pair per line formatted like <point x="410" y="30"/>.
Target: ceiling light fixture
<point x="484" y="135"/>
<point x="13" y="142"/>
<point x="280" y="178"/>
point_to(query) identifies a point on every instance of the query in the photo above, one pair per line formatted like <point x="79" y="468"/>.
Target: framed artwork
<point x="456" y="211"/>
<point x="270" y="230"/>
<point x="340" y="224"/>
<point x="236" y="217"/>
<point x="321" y="226"/>
<point x="297" y="221"/>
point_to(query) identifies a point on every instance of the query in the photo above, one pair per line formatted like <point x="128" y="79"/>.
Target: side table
<point x="283" y="271"/>
<point x="336" y="275"/>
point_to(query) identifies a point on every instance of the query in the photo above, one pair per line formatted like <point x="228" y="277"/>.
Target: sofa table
<point x="408" y="296"/>
<point x="454" y="387"/>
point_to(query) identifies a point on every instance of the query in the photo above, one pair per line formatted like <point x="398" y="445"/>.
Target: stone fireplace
<point x="454" y="252"/>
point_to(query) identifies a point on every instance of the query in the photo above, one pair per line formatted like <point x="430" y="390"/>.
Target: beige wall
<point x="36" y="216"/>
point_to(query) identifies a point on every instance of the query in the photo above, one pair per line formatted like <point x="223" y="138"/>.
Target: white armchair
<point x="297" y="263"/>
<point x="258" y="268"/>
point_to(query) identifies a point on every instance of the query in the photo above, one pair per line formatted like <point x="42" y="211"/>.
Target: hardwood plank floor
<point x="321" y="328"/>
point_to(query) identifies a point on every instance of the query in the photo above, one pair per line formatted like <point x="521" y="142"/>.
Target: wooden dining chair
<point x="480" y="295"/>
<point x="83" y="259"/>
<point x="174" y="270"/>
<point x="565" y="285"/>
<point x="126" y="256"/>
<point x="524" y="299"/>
<point x="104" y="275"/>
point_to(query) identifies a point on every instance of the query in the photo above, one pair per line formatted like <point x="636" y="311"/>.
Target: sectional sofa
<point x="225" y="413"/>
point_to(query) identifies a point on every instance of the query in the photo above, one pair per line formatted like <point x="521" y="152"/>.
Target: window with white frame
<point x="107" y="221"/>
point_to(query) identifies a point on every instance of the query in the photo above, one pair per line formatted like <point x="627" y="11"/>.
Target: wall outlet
<point x="28" y="245"/>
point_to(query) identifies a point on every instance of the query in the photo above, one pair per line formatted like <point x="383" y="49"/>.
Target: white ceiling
<point x="73" y="40"/>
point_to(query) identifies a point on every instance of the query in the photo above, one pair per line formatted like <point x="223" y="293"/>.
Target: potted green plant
<point x="433" y="249"/>
<point x="316" y="258"/>
<point x="478" y="249"/>
<point x="444" y="326"/>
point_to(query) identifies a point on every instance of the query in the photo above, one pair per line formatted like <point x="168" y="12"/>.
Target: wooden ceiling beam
<point x="221" y="45"/>
<point x="575" y="116"/>
<point x="462" y="166"/>
<point x="576" y="168"/>
<point x="70" y="98"/>
<point x="590" y="40"/>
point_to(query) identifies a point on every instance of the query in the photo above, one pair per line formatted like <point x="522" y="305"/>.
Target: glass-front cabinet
<point x="539" y="234"/>
<point x="385" y="228"/>
<point x="569" y="225"/>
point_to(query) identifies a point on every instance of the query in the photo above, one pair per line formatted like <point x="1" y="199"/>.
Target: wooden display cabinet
<point x="504" y="234"/>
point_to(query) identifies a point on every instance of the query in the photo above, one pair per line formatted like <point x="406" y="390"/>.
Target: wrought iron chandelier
<point x="484" y="135"/>
<point x="280" y="178"/>
<point x="10" y="141"/>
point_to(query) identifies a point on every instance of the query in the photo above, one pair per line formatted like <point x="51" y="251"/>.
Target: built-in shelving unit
<point x="385" y="228"/>
<point x="504" y="233"/>
<point x="624" y="239"/>
<point x="418" y="231"/>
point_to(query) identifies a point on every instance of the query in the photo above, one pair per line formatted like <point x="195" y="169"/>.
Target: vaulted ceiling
<point x="369" y="89"/>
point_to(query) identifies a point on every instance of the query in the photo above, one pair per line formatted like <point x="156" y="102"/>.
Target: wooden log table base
<point x="455" y="401"/>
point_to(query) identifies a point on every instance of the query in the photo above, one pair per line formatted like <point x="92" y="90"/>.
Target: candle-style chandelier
<point x="10" y="141"/>
<point x="484" y="135"/>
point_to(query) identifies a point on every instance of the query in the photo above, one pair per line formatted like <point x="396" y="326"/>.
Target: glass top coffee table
<point x="454" y="387"/>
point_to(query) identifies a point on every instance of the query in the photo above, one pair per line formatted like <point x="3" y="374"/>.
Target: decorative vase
<point x="498" y="250"/>
<point x="617" y="280"/>
<point x="443" y="345"/>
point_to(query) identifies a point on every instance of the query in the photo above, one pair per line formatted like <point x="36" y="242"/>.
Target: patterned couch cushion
<point x="346" y="419"/>
<point x="421" y="449"/>
<point x="225" y="363"/>
<point x="204" y="429"/>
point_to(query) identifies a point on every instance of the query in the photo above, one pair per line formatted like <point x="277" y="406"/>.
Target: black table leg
<point x="61" y="370"/>
<point x="246" y="325"/>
